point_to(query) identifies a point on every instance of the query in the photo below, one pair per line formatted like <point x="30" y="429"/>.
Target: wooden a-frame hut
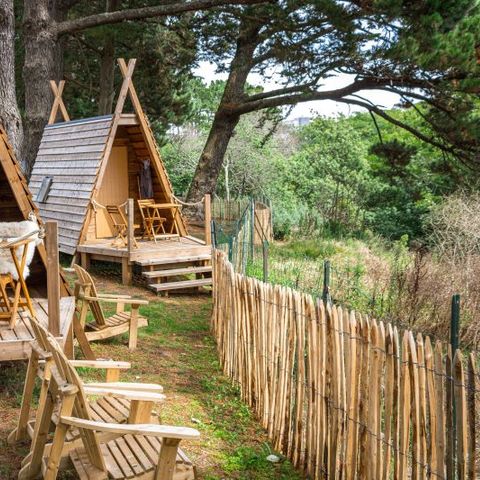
<point x="84" y="168"/>
<point x="15" y="206"/>
<point x="89" y="163"/>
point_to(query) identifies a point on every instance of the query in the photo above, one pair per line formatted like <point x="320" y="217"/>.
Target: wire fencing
<point x="341" y="395"/>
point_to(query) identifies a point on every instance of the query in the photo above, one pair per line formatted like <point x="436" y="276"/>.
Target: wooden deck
<point x="15" y="343"/>
<point x="164" y="247"/>
<point x="168" y="257"/>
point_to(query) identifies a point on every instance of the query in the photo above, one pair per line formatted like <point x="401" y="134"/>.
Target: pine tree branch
<point x="108" y="18"/>
<point x="421" y="136"/>
<point x="284" y="96"/>
<point x="420" y="97"/>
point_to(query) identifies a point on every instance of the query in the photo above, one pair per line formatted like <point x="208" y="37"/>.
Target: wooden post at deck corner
<point x="208" y="219"/>
<point x="126" y="265"/>
<point x="53" y="278"/>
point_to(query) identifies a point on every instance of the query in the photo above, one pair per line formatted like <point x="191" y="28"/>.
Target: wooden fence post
<point x="53" y="278"/>
<point x="208" y="219"/>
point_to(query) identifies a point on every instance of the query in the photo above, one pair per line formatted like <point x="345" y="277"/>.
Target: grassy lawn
<point x="176" y="351"/>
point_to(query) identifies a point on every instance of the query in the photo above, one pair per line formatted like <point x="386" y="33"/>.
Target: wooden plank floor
<point x="171" y="247"/>
<point x="15" y="343"/>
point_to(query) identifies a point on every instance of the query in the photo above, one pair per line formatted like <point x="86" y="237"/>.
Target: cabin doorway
<point x="114" y="189"/>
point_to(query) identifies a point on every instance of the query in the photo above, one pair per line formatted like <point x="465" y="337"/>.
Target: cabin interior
<point x="121" y="181"/>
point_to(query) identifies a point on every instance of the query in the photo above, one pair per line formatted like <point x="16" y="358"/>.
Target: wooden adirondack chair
<point x="104" y="449"/>
<point x="123" y="407"/>
<point x="101" y="327"/>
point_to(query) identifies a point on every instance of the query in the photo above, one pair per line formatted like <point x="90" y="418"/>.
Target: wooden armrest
<point x="22" y="240"/>
<point x="150" y="430"/>
<point x="100" y="364"/>
<point x="127" y="394"/>
<point x="134" y="387"/>
<point x="129" y="301"/>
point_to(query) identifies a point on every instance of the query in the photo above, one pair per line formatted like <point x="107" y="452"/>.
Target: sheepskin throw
<point x="10" y="231"/>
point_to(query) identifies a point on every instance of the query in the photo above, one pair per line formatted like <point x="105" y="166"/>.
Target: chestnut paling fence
<point x="342" y="395"/>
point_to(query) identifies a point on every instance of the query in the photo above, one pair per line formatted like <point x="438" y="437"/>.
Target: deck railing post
<point x="130" y="223"/>
<point x="53" y="278"/>
<point x="208" y="219"/>
<point x="126" y="265"/>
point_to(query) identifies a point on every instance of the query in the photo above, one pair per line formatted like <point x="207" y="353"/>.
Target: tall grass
<point x="411" y="288"/>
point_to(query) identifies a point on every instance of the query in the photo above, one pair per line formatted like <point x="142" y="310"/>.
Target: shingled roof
<point x="71" y="154"/>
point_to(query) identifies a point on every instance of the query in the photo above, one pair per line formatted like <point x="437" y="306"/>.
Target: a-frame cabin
<point x="15" y="206"/>
<point x="85" y="165"/>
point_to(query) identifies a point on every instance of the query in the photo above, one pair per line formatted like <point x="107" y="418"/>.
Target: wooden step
<point x="177" y="271"/>
<point x="170" y="260"/>
<point x="160" y="287"/>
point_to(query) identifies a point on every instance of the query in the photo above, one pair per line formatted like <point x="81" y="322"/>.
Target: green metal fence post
<point x="455" y="323"/>
<point x="454" y="342"/>
<point x="252" y="227"/>
<point x="265" y="261"/>
<point x="326" y="282"/>
<point x="214" y="233"/>
<point x="230" y="248"/>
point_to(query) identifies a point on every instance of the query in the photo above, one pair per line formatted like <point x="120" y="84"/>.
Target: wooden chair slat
<point x="129" y="456"/>
<point x="115" y="452"/>
<point x="139" y="452"/>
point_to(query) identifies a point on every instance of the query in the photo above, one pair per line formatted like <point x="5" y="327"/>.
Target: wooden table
<point x="174" y="209"/>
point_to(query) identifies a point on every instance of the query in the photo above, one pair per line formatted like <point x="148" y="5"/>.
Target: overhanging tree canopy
<point x="422" y="51"/>
<point x="45" y="23"/>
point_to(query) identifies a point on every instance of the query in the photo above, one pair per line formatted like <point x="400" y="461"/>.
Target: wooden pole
<point x="53" y="278"/>
<point x="126" y="265"/>
<point x="130" y="222"/>
<point x="208" y="219"/>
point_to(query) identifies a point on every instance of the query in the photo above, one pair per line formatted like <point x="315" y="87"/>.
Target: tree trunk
<point x="39" y="68"/>
<point x="211" y="160"/>
<point x="224" y="123"/>
<point x="9" y="112"/>
<point x="107" y="67"/>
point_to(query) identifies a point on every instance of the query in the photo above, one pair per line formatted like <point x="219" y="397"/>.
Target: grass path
<point x="177" y="351"/>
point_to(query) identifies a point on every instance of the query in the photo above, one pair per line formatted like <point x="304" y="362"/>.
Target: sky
<point x="326" y="108"/>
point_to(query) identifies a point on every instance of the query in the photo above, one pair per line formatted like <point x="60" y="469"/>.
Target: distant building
<point x="298" y="122"/>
